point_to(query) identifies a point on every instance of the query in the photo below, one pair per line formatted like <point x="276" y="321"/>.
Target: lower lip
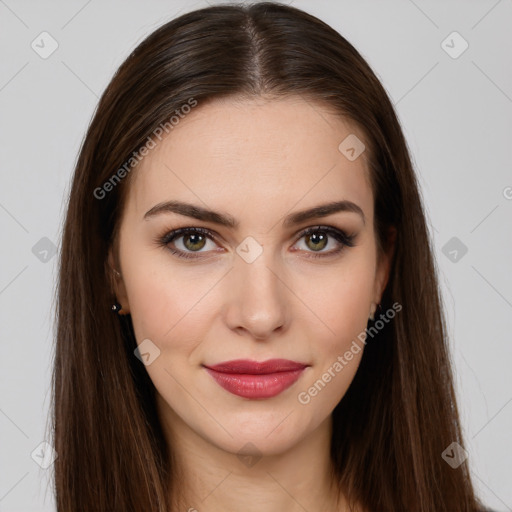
<point x="256" y="386"/>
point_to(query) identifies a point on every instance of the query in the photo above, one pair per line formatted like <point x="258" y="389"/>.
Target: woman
<point x="248" y="312"/>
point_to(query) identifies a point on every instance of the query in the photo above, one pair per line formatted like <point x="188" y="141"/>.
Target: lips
<point x="257" y="368"/>
<point x="256" y="380"/>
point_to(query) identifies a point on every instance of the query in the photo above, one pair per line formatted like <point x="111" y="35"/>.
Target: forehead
<point x="256" y="156"/>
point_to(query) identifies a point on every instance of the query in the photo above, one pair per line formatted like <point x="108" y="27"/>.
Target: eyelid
<point x="331" y="230"/>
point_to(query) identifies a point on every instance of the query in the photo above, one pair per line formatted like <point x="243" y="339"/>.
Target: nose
<point x="256" y="298"/>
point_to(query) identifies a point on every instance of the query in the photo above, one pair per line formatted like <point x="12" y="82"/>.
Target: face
<point x="253" y="281"/>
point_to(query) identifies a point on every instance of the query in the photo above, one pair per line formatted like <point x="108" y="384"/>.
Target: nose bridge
<point x="256" y="301"/>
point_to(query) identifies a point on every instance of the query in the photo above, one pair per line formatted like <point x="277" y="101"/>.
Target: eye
<point x="189" y="239"/>
<point x="184" y="242"/>
<point x="318" y="238"/>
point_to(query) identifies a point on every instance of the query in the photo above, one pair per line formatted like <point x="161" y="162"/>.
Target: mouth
<point x="256" y="380"/>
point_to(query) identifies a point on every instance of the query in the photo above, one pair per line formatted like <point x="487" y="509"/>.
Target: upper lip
<point x="257" y="368"/>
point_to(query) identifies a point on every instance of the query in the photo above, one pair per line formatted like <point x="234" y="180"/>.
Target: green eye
<point x="318" y="237"/>
<point x="318" y="241"/>
<point x="192" y="242"/>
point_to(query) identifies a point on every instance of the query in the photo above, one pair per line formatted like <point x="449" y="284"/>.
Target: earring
<point x="117" y="308"/>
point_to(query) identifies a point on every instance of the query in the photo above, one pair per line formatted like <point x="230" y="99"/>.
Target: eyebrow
<point x="223" y="219"/>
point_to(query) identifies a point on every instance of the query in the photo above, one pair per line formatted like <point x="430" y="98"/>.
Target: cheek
<point x="342" y="304"/>
<point x="340" y="299"/>
<point x="162" y="304"/>
<point x="167" y="309"/>
<point x="337" y="355"/>
<point x="160" y="294"/>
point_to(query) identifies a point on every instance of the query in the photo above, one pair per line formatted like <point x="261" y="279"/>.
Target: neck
<point x="210" y="479"/>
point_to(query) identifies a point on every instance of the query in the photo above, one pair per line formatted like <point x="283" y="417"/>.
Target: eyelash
<point x="346" y="240"/>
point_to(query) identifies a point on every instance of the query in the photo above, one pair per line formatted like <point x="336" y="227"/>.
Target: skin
<point x="257" y="160"/>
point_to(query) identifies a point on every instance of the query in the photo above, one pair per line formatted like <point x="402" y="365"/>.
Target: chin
<point x="259" y="437"/>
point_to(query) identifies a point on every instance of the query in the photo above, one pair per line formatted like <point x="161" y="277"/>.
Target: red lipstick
<point x="253" y="379"/>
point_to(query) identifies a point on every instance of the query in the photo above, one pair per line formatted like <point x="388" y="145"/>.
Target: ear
<point x="116" y="280"/>
<point x="384" y="262"/>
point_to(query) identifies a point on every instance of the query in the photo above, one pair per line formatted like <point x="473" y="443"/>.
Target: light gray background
<point x="457" y="117"/>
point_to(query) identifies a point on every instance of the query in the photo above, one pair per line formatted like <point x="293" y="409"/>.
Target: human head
<point x="255" y="161"/>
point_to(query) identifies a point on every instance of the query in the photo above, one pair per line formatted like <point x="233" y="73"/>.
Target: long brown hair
<point x="400" y="412"/>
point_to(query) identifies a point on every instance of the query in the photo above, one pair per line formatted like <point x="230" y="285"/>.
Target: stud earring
<point x="117" y="308"/>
